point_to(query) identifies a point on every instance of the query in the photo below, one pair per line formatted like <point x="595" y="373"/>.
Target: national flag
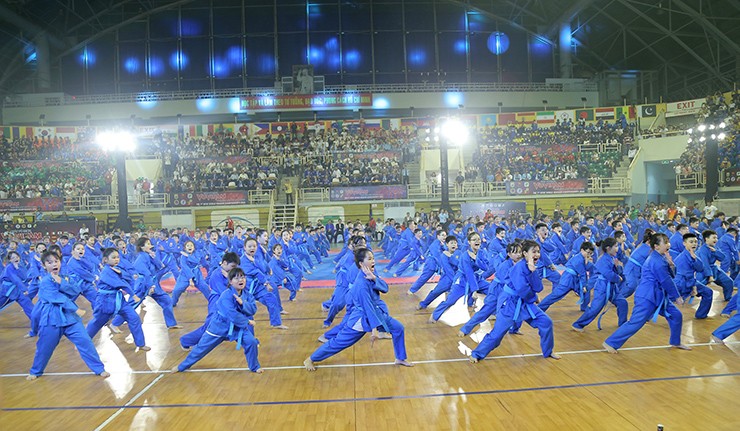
<point x="42" y="132"/>
<point x="605" y="113"/>
<point x="425" y="122"/>
<point x="525" y="117"/>
<point x="385" y="124"/>
<point x="395" y="123"/>
<point x="505" y="119"/>
<point x="66" y="131"/>
<point x="16" y="132"/>
<point x="279" y="128"/>
<point x="648" y="111"/>
<point x="259" y="128"/>
<point x="585" y="114"/>
<point x="5" y="133"/>
<point x="211" y="130"/>
<point x="546" y="117"/>
<point x="408" y="122"/>
<point x="487" y="120"/>
<point x="565" y="116"/>
<point x="622" y="110"/>
<point x="373" y="124"/>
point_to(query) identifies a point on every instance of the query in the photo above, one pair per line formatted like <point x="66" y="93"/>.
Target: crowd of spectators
<point x="714" y="112"/>
<point x="529" y="152"/>
<point x="33" y="180"/>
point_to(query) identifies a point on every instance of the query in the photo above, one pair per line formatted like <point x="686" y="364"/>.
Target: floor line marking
<point x="129" y="403"/>
<point x="376" y="364"/>
<point x="386" y="398"/>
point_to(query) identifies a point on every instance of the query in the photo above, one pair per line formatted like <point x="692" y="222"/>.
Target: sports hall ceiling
<point x="693" y="44"/>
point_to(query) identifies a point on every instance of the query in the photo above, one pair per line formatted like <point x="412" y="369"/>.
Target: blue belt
<point x="608" y="298"/>
<point x="239" y="333"/>
<point x="664" y="307"/>
<point x="639" y="265"/>
<point x="519" y="302"/>
<point x="119" y="297"/>
<point x="581" y="293"/>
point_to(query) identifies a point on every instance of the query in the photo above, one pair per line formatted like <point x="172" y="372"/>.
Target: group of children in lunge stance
<point x="115" y="274"/>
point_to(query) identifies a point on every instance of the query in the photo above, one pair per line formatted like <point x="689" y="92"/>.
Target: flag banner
<point x="525" y="117"/>
<point x="366" y="193"/>
<point x="514" y="188"/>
<point x="546" y="117"/>
<point x="585" y="114"/>
<point x="506" y="119"/>
<point x="565" y="116"/>
<point x="648" y="111"/>
<point x="604" y="113"/>
<point x="204" y="199"/>
<point x="487" y="120"/>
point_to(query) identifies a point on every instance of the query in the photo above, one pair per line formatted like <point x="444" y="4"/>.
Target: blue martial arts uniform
<point x="471" y="277"/>
<point x="654" y="295"/>
<point x="431" y="265"/>
<point x="574" y="279"/>
<point x="256" y="272"/>
<point x="13" y="289"/>
<point x="110" y="302"/>
<point x="56" y="317"/>
<point x="517" y="305"/>
<point x="189" y="270"/>
<point x="685" y="280"/>
<point x="218" y="284"/>
<point x="731" y="326"/>
<point x="633" y="269"/>
<point x="229" y="322"/>
<point x="448" y="270"/>
<point x="606" y="288"/>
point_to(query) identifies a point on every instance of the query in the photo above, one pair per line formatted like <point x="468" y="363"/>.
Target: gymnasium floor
<point x="646" y="384"/>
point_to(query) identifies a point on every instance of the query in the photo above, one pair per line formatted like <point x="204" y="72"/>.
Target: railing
<point x="600" y="147"/>
<point x="19" y="102"/>
<point x="609" y="185"/>
<point x="261" y="196"/>
<point x="694" y="180"/>
<point x="662" y="134"/>
<point x="478" y="189"/>
<point x="90" y="203"/>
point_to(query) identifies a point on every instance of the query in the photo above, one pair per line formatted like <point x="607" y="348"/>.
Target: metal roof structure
<point x="693" y="45"/>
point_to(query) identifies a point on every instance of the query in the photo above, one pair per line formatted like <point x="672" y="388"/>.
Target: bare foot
<point x="717" y="340"/>
<point x="104" y="374"/>
<point x="309" y="272"/>
<point x="516" y="333"/>
<point x="144" y="348"/>
<point x="431" y="320"/>
<point x="473" y="359"/>
<point x="259" y="371"/>
<point x="31" y="377"/>
<point x="404" y="363"/>
<point x="175" y="369"/>
<point x="725" y="315"/>
<point x="682" y="347"/>
<point x="175" y="327"/>
<point x="283" y="312"/>
<point x="115" y="329"/>
<point x="409" y="293"/>
<point x="28" y="335"/>
<point x="308" y="363"/>
<point x="280" y="327"/>
<point x="384" y="336"/>
<point x="419" y="307"/>
<point x="324" y="326"/>
<point x="609" y="348"/>
<point x="554" y="356"/>
<point x="322" y="339"/>
<point x="577" y="329"/>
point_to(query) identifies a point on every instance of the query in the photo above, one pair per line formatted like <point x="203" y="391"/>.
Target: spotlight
<point x="690" y="140"/>
<point x="690" y="131"/>
<point x="702" y="127"/>
<point x="455" y="131"/>
<point x="714" y="136"/>
<point x="722" y="125"/>
<point x="116" y="141"/>
<point x="711" y="127"/>
<point x="702" y="139"/>
<point x="721" y="136"/>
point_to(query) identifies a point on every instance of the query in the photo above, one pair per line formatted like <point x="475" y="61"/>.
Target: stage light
<point x="702" y="139"/>
<point x="498" y="42"/>
<point x="702" y="127"/>
<point x="690" y="131"/>
<point x="711" y="127"/>
<point x="116" y="140"/>
<point x="690" y="140"/>
<point x="380" y="103"/>
<point x="455" y="131"/>
<point x="722" y="125"/>
<point x="714" y="136"/>
<point x="721" y="136"/>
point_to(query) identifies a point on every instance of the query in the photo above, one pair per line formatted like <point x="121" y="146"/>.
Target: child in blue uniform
<point x="655" y="295"/>
<point x="232" y="321"/>
<point x="608" y="274"/>
<point x="82" y="274"/>
<point x="12" y="286"/>
<point x="58" y="315"/>
<point x="574" y="279"/>
<point x="517" y="304"/>
<point x="218" y="282"/>
<point x="369" y="314"/>
<point x="110" y="300"/>
<point x="449" y="261"/>
<point x="633" y="267"/>
<point x="259" y="284"/>
<point x="730" y="327"/>
<point x="687" y="265"/>
<point x="189" y="271"/>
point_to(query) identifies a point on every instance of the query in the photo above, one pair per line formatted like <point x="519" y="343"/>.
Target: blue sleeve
<point x="228" y="306"/>
<point x="665" y="281"/>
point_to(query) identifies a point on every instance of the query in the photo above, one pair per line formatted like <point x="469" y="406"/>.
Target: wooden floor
<point x="646" y="384"/>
